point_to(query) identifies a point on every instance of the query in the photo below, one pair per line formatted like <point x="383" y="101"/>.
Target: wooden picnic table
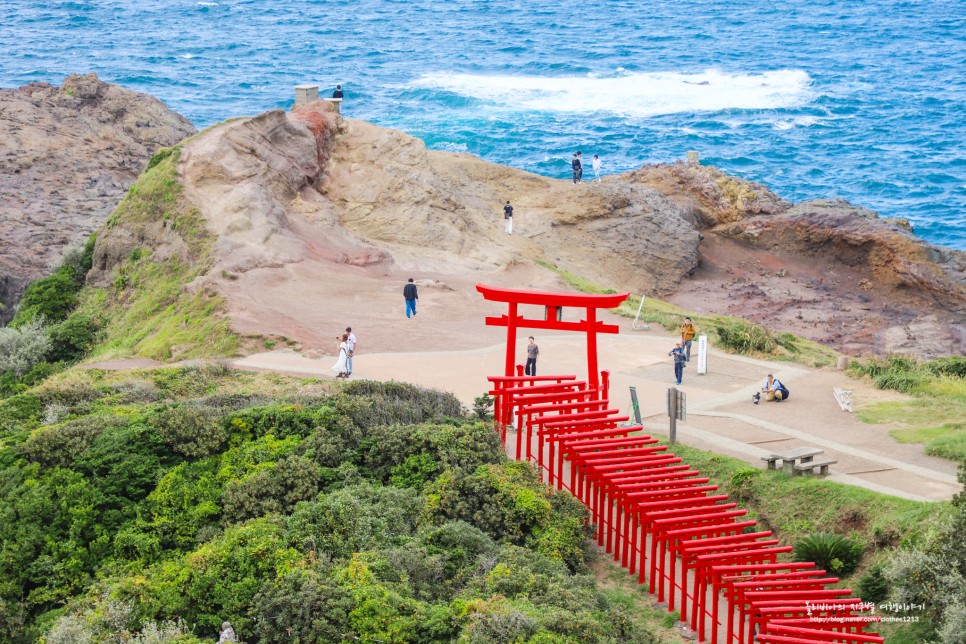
<point x="790" y="457"/>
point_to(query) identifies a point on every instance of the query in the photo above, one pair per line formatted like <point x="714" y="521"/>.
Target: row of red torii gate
<point x="660" y="518"/>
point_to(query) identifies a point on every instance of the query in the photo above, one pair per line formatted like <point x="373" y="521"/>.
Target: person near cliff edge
<point x="679" y="361"/>
<point x="508" y="218"/>
<point x="597" y="163"/>
<point x="688" y="331"/>
<point x="577" y="168"/>
<point x="338" y="92"/>
<point x="409" y="292"/>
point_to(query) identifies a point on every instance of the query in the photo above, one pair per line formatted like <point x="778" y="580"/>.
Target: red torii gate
<point x="554" y="303"/>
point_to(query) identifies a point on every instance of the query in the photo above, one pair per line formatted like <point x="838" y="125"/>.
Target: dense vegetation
<point x="159" y="504"/>
<point x="47" y="332"/>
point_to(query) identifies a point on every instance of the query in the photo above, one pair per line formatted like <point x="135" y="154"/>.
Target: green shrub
<point x="57" y="446"/>
<point x="482" y="406"/>
<point x="873" y="586"/>
<point x="192" y="430"/>
<point x="741" y="336"/>
<point x="313" y="607"/>
<point x="23" y="347"/>
<point x="834" y="553"/>
<point x="72" y="339"/>
<point x="272" y="489"/>
<point x="903" y="381"/>
<point x="51" y="298"/>
<point x="954" y="366"/>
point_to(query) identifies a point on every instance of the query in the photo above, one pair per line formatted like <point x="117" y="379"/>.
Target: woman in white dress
<point x="340" y="368"/>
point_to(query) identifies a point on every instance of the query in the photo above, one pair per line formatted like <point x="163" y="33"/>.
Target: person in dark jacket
<point x="338" y="92"/>
<point x="409" y="292"/>
<point x="679" y="360"/>
<point x="577" y="167"/>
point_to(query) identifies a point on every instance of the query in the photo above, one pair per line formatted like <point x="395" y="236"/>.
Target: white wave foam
<point x="449" y="146"/>
<point x="633" y="94"/>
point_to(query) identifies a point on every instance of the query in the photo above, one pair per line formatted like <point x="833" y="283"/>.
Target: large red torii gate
<point x="554" y="303"/>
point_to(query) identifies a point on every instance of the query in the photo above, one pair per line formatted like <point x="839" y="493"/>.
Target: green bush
<point x="24" y="347"/>
<point x="904" y="381"/>
<point x="194" y="431"/>
<point x="954" y="366"/>
<point x="741" y="336"/>
<point x="72" y="339"/>
<point x="834" y="553"/>
<point x="50" y="298"/>
<point x="873" y="586"/>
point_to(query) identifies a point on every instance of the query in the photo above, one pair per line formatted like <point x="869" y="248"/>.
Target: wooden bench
<point x="809" y="467"/>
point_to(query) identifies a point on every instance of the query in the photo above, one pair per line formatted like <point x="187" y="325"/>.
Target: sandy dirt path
<point x="721" y="416"/>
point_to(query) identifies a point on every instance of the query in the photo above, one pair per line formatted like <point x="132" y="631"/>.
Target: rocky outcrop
<point x="67" y="155"/>
<point x="318" y="219"/>
<point x="824" y="269"/>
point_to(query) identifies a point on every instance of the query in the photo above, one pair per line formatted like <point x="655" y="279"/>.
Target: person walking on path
<point x="688" y="331"/>
<point x="597" y="163"/>
<point x="339" y="367"/>
<point x="577" y="168"/>
<point x="338" y="92"/>
<point x="532" y="352"/>
<point x="773" y="390"/>
<point x="679" y="361"/>
<point x="409" y="292"/>
<point x="350" y="344"/>
<point x="508" y="218"/>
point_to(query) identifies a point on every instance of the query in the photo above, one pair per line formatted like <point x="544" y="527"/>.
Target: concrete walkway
<point x="721" y="417"/>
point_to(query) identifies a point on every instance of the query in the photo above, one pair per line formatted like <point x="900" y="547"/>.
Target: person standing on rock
<point x="340" y="365"/>
<point x="597" y="163"/>
<point x="409" y="292"/>
<point x="679" y="361"/>
<point x="532" y="352"/>
<point x="508" y="218"/>
<point x="688" y="331"/>
<point x="350" y="343"/>
<point x="577" y="168"/>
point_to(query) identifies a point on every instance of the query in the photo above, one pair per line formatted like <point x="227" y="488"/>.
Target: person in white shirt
<point x="350" y="345"/>
<point x="597" y="163"/>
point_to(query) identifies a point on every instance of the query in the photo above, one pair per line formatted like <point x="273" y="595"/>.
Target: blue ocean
<point x="860" y="99"/>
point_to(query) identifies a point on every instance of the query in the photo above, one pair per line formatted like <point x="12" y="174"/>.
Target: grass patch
<point x="934" y="415"/>
<point x="147" y="311"/>
<point x="795" y="507"/>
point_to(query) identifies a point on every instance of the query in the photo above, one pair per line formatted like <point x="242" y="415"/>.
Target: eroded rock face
<point x="824" y="269"/>
<point x="317" y="218"/>
<point x="67" y="156"/>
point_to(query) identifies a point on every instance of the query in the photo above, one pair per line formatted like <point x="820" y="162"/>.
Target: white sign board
<point x="702" y="355"/>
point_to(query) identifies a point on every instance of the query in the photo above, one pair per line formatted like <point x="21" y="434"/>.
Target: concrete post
<point x="842" y="363"/>
<point x="306" y="94"/>
<point x="692" y="156"/>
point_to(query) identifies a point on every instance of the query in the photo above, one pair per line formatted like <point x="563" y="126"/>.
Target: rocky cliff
<point x="317" y="221"/>
<point x="67" y="155"/>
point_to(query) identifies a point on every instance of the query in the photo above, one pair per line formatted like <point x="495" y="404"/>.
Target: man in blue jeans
<point x="679" y="360"/>
<point x="409" y="292"/>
